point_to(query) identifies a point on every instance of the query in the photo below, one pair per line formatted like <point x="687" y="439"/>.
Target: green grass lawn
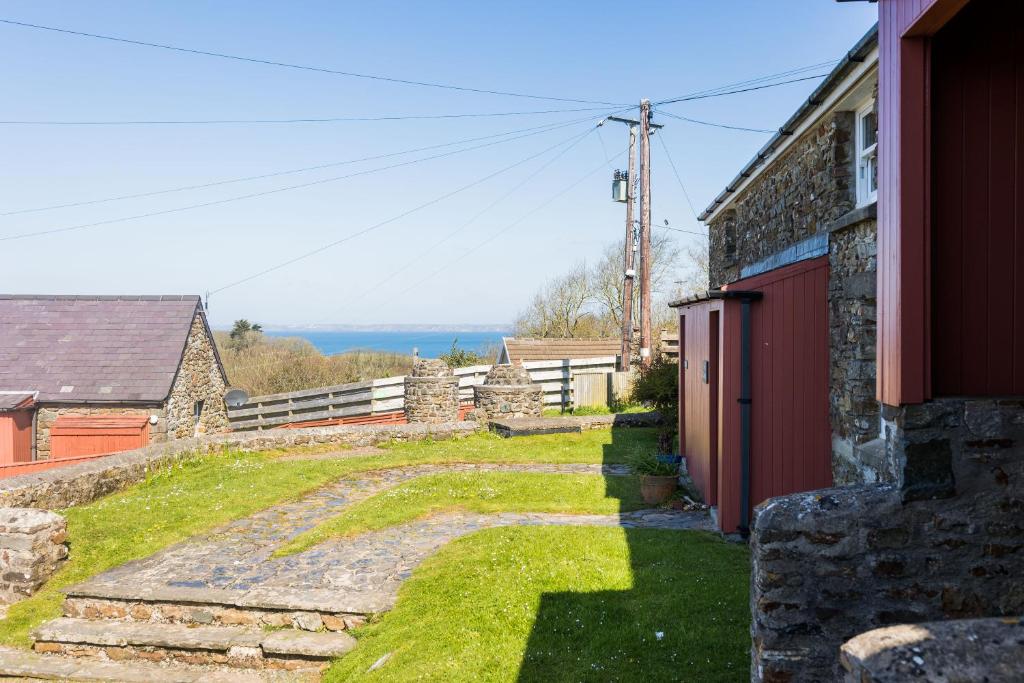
<point x="193" y="497"/>
<point x="483" y="492"/>
<point x="566" y="604"/>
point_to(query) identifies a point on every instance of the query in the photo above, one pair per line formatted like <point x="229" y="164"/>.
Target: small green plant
<point x="648" y="464"/>
<point x="461" y="358"/>
<point x="658" y="386"/>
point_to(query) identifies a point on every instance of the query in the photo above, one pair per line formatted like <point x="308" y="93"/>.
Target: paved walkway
<point x="232" y="566"/>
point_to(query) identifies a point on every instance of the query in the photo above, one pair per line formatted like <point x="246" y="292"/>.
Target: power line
<point x="335" y="119"/>
<point x="543" y="128"/>
<point x="513" y="224"/>
<point x="371" y="228"/>
<point x="710" y="123"/>
<point x="762" y="79"/>
<point x="258" y="194"/>
<point x="740" y="90"/>
<point x="301" y="67"/>
<point x="688" y="232"/>
<point x="675" y="171"/>
<point x="503" y="197"/>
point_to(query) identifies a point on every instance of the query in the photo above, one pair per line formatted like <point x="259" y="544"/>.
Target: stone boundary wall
<point x="959" y="650"/>
<point x="946" y="541"/>
<point x="31" y="549"/>
<point x="77" y="484"/>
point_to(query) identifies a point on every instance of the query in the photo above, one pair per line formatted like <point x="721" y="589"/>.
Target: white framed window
<point x="867" y="153"/>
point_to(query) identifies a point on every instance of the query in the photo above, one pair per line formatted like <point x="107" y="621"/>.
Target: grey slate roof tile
<point x="131" y="344"/>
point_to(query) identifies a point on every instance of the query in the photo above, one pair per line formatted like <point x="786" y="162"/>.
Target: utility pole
<point x="630" y="272"/>
<point x="645" y="233"/>
<point x="644" y="126"/>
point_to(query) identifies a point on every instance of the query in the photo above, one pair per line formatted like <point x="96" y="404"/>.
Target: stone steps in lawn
<point x="302" y="610"/>
<point x="235" y="646"/>
<point x="25" y="665"/>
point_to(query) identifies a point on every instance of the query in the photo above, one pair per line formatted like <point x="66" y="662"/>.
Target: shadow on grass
<point x="686" y="617"/>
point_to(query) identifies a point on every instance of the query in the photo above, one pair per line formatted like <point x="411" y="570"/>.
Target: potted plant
<point x="658" y="480"/>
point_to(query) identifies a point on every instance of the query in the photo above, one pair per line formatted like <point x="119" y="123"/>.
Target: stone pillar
<point x="431" y="393"/>
<point x="31" y="549"/>
<point x="508" y="392"/>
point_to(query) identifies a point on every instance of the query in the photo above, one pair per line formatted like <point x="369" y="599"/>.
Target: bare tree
<point x="560" y="308"/>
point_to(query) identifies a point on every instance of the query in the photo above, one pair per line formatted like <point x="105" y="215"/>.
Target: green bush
<point x="658" y="386"/>
<point x="462" y="358"/>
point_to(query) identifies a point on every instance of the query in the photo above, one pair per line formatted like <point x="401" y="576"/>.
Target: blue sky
<point x="576" y="50"/>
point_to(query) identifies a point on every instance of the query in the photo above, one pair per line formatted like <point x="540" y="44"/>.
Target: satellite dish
<point x="236" y="398"/>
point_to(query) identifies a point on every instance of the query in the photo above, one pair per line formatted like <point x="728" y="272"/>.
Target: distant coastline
<point x="428" y="341"/>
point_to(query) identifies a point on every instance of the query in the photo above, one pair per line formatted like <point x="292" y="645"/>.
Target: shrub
<point x="271" y="365"/>
<point x="462" y="358"/>
<point x="658" y="386"/>
<point x="648" y="464"/>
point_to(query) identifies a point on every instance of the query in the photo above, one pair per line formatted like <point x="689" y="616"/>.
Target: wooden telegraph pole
<point x="644" y="127"/>
<point x="630" y="273"/>
<point x="645" y="233"/>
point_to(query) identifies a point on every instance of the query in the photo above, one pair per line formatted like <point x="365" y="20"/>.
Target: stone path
<point x="232" y="566"/>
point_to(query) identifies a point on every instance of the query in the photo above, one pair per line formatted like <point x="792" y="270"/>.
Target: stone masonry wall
<point x="799" y="194"/>
<point x="854" y="411"/>
<point x="431" y="393"/>
<point x="47" y="415"/>
<point x="31" y="549"/>
<point x="507" y="392"/>
<point x="199" y="379"/>
<point x="945" y="541"/>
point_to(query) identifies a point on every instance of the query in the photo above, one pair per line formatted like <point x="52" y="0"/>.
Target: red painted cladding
<point x="904" y="345"/>
<point x="15" y="436"/>
<point x="74" y="436"/>
<point x="790" y="431"/>
<point x="977" y="176"/>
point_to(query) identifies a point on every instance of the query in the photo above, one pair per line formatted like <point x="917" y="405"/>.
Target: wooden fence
<point x="604" y="389"/>
<point x="384" y="399"/>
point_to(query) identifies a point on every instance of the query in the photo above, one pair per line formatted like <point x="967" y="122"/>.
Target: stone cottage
<point x="110" y="373"/>
<point x="862" y="403"/>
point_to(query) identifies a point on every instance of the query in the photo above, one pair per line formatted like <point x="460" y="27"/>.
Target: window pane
<point x="869" y="129"/>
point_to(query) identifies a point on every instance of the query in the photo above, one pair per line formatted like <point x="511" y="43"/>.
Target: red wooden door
<point x="72" y="436"/>
<point x="698" y="368"/>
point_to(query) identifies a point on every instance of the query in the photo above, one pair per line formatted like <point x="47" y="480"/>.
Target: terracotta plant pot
<point x="657" y="489"/>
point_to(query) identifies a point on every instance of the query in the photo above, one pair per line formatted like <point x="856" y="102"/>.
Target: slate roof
<point x="518" y="349"/>
<point x="14" y="400"/>
<point x="73" y="349"/>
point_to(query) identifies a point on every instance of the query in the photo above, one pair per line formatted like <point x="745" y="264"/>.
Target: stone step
<point x="303" y="610"/>
<point x="532" y="426"/>
<point x="221" y="645"/>
<point x="31" y="666"/>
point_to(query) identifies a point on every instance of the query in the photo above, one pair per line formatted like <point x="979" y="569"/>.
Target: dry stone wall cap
<point x="508" y="375"/>
<point x="430" y="367"/>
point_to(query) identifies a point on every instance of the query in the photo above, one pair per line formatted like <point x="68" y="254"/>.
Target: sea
<point x="429" y="343"/>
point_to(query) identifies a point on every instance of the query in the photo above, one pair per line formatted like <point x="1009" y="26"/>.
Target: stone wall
<point x="48" y="414"/>
<point x="31" y="549"/>
<point x="508" y="392"/>
<point x="199" y="379"/>
<point x="944" y="541"/>
<point x="854" y="411"/>
<point x="84" y="482"/>
<point x="431" y="393"/>
<point x="800" y="194"/>
<point x="957" y="650"/>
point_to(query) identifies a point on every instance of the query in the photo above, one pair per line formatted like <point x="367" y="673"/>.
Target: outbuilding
<point x="89" y="375"/>
<point x="777" y="362"/>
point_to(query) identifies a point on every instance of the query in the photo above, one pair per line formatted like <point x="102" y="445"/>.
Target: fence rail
<point x="357" y="400"/>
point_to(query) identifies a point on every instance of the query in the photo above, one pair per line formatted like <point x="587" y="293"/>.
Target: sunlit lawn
<point x="566" y="604"/>
<point x="193" y="497"/>
<point x="482" y="492"/>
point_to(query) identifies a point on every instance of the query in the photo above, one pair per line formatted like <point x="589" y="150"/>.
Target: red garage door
<point x="72" y="436"/>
